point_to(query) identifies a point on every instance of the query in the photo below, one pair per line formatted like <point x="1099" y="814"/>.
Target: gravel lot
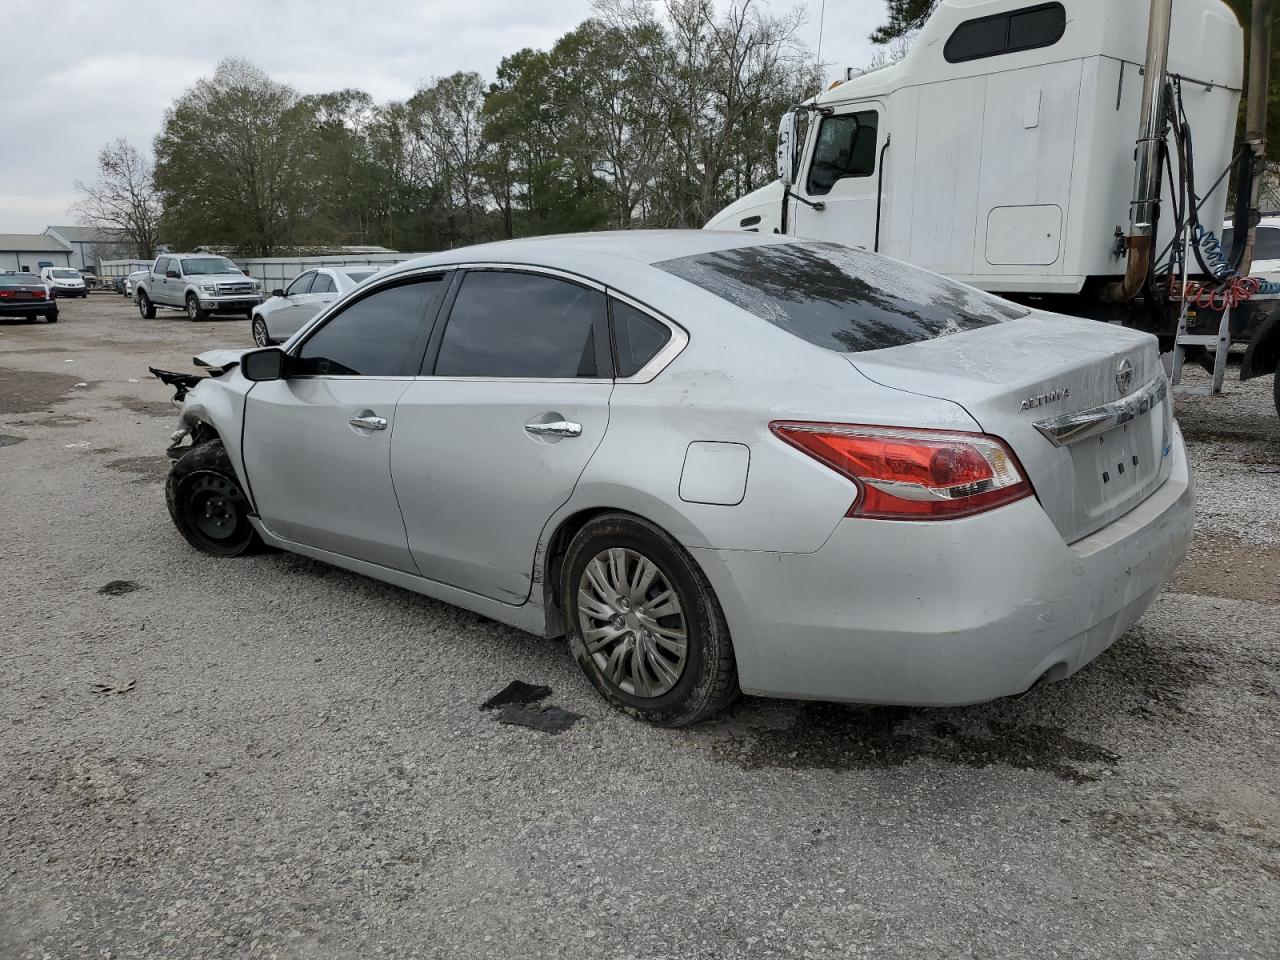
<point x="301" y="770"/>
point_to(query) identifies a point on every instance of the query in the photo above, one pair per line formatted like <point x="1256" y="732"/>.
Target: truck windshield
<point x="64" y="274"/>
<point x="199" y="266"/>
<point x="842" y="299"/>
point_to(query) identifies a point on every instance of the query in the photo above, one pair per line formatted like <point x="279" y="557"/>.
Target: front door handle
<point x="369" y="423"/>
<point x="556" y="428"/>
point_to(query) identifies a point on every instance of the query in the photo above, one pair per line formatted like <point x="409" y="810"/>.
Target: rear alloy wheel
<point x="145" y="307"/>
<point x="194" y="310"/>
<point x="644" y="624"/>
<point x="206" y="502"/>
<point x="260" y="335"/>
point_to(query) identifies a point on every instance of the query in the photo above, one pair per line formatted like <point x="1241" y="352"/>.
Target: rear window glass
<point x="358" y="275"/>
<point x="1266" y="243"/>
<point x="839" y="298"/>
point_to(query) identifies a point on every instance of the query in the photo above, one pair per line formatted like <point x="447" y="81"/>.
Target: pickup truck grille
<point x="233" y="288"/>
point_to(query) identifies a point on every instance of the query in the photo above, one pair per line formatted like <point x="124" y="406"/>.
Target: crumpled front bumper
<point x="949" y="612"/>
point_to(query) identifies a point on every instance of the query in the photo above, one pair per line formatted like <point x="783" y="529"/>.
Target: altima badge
<point x="1124" y="376"/>
<point x="1053" y="396"/>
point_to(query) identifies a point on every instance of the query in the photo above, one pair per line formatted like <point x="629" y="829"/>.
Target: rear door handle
<point x="556" y="428"/>
<point x="369" y="423"/>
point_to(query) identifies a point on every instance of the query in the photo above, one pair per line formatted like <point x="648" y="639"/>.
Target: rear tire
<point x="207" y="504"/>
<point x="195" y="312"/>
<point x="145" y="307"/>
<point x="51" y="316"/>
<point x="630" y="648"/>
<point x="1275" y="387"/>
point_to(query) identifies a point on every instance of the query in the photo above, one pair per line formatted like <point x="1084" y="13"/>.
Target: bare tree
<point x="123" y="198"/>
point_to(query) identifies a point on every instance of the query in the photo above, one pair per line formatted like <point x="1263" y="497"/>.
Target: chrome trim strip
<point x="1073" y="427"/>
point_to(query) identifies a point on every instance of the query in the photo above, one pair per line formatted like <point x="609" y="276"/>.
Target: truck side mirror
<point x="269" y="363"/>
<point x="786" y="154"/>
<point x="171" y="274"/>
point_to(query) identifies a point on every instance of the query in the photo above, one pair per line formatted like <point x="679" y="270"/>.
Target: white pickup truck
<point x="198" y="283"/>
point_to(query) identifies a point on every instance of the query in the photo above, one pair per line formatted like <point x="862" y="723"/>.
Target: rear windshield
<point x="356" y="276"/>
<point x="14" y="280"/>
<point x="839" y="298"/>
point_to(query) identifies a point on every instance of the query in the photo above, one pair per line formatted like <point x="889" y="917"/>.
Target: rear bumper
<point x="29" y="308"/>
<point x="951" y="612"/>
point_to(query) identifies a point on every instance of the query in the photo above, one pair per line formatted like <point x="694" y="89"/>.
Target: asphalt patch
<point x="517" y="692"/>
<point x="547" y="719"/>
<point x="28" y="391"/>
<point x="149" y="469"/>
<point x="118" y="588"/>
<point x="8" y="439"/>
<point x="836" y="737"/>
<point x="149" y="408"/>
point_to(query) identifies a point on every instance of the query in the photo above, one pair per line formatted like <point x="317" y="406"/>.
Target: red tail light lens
<point x="906" y="474"/>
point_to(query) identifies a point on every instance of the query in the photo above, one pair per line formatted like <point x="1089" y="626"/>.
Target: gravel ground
<point x="295" y="764"/>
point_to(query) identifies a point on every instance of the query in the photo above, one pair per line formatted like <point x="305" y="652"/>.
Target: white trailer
<point x="1000" y="149"/>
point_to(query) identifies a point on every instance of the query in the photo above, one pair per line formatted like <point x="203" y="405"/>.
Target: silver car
<point x="287" y="311"/>
<point x="715" y="461"/>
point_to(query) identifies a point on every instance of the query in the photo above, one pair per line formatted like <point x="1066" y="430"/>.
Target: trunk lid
<point x="1109" y="457"/>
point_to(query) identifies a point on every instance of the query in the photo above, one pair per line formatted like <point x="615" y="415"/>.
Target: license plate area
<point x="1117" y="470"/>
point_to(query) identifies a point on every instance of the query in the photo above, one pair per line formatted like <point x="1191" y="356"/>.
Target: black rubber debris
<point x="8" y="439"/>
<point x="547" y="719"/>
<point x="517" y="692"/>
<point x="118" y="588"/>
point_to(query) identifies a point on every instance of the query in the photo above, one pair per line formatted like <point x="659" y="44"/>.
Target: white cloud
<point x="114" y="74"/>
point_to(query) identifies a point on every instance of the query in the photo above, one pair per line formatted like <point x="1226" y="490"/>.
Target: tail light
<point x="906" y="474"/>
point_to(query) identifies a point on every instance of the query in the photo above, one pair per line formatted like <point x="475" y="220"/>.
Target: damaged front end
<point x="194" y="423"/>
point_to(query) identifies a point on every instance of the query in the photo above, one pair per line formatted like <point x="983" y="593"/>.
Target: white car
<point x="64" y="282"/>
<point x="1266" y="250"/>
<point x="287" y="311"/>
<point x="131" y="282"/>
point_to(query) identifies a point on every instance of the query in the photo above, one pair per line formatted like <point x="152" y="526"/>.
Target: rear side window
<point x="846" y="147"/>
<point x="323" y="284"/>
<point x="842" y="299"/>
<point x="637" y="338"/>
<point x="377" y="336"/>
<point x="508" y="324"/>
<point x="1039" y="26"/>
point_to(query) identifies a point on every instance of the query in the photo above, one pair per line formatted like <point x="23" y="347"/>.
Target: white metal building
<point x="30" y="251"/>
<point x="91" y="245"/>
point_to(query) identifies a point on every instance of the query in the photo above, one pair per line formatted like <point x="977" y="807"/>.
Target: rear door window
<point x="839" y="298"/>
<point x="507" y="324"/>
<point x="323" y="284"/>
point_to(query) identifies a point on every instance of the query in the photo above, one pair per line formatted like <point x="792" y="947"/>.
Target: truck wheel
<point x="194" y="310"/>
<point x="145" y="306"/>
<point x="207" y="505"/>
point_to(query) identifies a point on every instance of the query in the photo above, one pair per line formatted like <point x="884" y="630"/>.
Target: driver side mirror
<point x="277" y="292"/>
<point x="171" y="274"/>
<point x="786" y="154"/>
<point x="269" y="363"/>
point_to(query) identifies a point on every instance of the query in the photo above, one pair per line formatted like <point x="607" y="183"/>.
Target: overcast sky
<point x="89" y="73"/>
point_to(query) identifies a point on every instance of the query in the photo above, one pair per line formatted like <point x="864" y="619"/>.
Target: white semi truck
<point x="1043" y="151"/>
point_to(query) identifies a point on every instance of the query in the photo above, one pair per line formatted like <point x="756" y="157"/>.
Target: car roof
<point x="595" y="253"/>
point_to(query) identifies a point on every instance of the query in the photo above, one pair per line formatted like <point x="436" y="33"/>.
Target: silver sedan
<point x="287" y="311"/>
<point x="715" y="462"/>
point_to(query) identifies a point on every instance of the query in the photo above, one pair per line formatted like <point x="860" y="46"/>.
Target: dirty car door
<point x="493" y="442"/>
<point x="317" y="444"/>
